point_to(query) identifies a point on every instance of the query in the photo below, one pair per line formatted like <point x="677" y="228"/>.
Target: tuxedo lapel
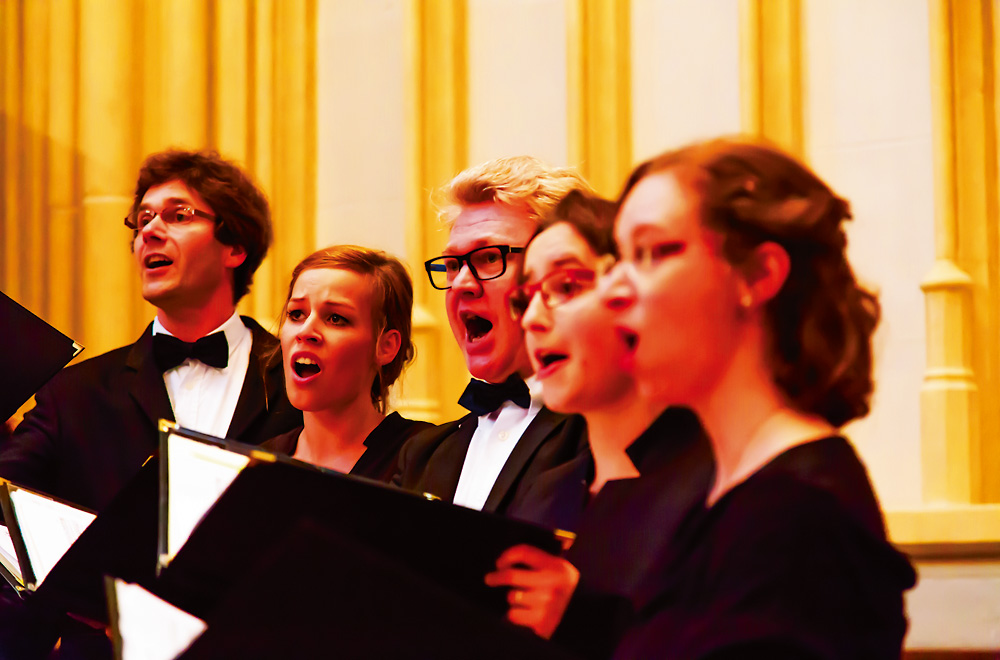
<point x="445" y="467"/>
<point x="147" y="388"/>
<point x="262" y="383"/>
<point x="544" y="423"/>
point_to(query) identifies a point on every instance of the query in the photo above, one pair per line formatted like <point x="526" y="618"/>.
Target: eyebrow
<point x="169" y="200"/>
<point x="450" y="251"/>
<point x="327" y="303"/>
<point x="558" y="264"/>
<point x="568" y="259"/>
<point x="654" y="229"/>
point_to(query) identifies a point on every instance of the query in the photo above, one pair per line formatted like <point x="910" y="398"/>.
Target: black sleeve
<point x="28" y="456"/>
<point x="593" y="623"/>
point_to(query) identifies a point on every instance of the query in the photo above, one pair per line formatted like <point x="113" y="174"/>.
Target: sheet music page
<point x="150" y="627"/>
<point x="48" y="528"/>
<point x="198" y="475"/>
<point x="8" y="555"/>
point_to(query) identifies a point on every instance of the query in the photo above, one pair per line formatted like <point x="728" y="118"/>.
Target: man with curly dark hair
<point x="200" y="228"/>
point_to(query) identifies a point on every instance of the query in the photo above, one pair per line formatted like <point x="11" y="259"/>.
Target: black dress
<point x="381" y="446"/>
<point x="791" y="563"/>
<point x="628" y="527"/>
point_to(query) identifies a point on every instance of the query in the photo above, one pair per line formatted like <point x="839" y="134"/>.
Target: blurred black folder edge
<point x="450" y="545"/>
<point x="321" y="593"/>
<point x="32" y="352"/>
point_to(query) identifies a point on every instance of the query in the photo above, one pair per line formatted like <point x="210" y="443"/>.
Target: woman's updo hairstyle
<point x="821" y="322"/>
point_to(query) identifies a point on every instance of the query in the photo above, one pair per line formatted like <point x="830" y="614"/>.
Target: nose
<point x="617" y="289"/>
<point x="465" y="281"/>
<point x="155" y="228"/>
<point x="307" y="331"/>
<point x="537" y="317"/>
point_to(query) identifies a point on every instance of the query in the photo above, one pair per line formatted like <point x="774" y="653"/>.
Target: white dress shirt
<point x="492" y="442"/>
<point x="204" y="398"/>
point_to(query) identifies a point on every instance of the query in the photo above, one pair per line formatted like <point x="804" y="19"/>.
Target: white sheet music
<point x="151" y="628"/>
<point x="198" y="474"/>
<point x="47" y="527"/>
<point x="8" y="555"/>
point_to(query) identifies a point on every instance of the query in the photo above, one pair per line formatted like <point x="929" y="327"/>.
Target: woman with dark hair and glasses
<point x="734" y="297"/>
<point x="650" y="464"/>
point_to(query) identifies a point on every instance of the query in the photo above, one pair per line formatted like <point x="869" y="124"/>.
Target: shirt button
<point x="503" y="435"/>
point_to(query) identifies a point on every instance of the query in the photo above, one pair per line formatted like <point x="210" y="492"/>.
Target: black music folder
<point x="338" y="597"/>
<point x="120" y="542"/>
<point x="263" y="496"/>
<point x="33" y="352"/>
<point x="449" y="545"/>
<point x="39" y="530"/>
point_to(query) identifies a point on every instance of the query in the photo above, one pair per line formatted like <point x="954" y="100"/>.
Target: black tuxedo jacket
<point x="431" y="462"/>
<point x="95" y="423"/>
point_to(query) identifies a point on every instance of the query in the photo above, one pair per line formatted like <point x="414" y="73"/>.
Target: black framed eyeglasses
<point x="485" y="263"/>
<point x="556" y="288"/>
<point x="172" y="215"/>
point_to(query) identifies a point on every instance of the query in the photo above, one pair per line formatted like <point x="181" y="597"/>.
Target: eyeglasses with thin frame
<point x="556" y="288"/>
<point x="485" y="263"/>
<point x="172" y="215"/>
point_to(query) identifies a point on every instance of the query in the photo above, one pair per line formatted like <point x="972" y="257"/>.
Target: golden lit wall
<point x="351" y="113"/>
<point x="89" y="87"/>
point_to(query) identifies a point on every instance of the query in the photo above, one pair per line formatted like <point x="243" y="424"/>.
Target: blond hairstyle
<point x="519" y="181"/>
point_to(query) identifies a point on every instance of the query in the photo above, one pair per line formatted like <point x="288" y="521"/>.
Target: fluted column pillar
<point x="110" y="289"/>
<point x="63" y="192"/>
<point x="437" y="150"/>
<point x="771" y="62"/>
<point x="961" y="290"/>
<point x="600" y="110"/>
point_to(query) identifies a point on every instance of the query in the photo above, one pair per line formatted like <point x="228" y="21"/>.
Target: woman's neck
<point x="335" y="438"/>
<point x="749" y="422"/>
<point x="611" y="430"/>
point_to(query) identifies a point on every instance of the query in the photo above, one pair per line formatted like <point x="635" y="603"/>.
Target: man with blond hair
<point x="489" y="458"/>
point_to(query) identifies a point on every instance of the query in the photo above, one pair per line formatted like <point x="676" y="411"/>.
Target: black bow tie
<point x="170" y="352"/>
<point x="483" y="398"/>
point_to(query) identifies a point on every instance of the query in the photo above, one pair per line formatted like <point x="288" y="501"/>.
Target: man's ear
<point x="234" y="256"/>
<point x="388" y="347"/>
<point x="764" y="274"/>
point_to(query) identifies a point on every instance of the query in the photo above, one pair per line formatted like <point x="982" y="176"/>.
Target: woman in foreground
<point x="345" y="338"/>
<point x="735" y="298"/>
